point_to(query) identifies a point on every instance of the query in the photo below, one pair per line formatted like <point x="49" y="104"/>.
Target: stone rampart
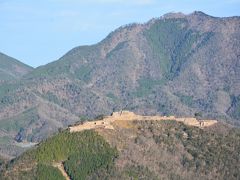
<point x="106" y="123"/>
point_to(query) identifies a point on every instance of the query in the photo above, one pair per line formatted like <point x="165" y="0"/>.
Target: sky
<point x="38" y="32"/>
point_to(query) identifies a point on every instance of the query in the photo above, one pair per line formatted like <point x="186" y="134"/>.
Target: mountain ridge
<point x="172" y="66"/>
<point x="12" y="69"/>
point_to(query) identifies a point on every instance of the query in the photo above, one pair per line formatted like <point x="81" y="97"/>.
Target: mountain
<point x="147" y="149"/>
<point x="12" y="69"/>
<point x="174" y="65"/>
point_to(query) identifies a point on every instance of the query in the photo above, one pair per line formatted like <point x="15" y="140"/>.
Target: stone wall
<point x="106" y="123"/>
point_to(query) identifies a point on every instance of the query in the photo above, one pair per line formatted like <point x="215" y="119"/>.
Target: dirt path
<point x="62" y="170"/>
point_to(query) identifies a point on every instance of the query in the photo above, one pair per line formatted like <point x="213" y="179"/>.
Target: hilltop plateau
<point x="141" y="147"/>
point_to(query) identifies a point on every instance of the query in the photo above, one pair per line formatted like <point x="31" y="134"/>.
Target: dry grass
<point x="123" y="124"/>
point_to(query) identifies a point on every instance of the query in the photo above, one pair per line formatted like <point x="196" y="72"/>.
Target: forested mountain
<point x="12" y="69"/>
<point x="173" y="65"/>
<point x="133" y="150"/>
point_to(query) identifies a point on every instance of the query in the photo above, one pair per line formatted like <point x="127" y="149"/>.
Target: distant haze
<point x="38" y="32"/>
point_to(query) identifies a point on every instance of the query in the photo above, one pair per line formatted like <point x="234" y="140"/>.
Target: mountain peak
<point x="11" y="68"/>
<point x="199" y="14"/>
<point x="173" y="15"/>
<point x="182" y="15"/>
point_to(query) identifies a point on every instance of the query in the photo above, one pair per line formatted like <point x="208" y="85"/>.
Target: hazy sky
<point x="38" y="32"/>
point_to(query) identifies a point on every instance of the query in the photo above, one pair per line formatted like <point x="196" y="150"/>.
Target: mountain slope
<point x="12" y="69"/>
<point x="134" y="150"/>
<point x="174" y="65"/>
